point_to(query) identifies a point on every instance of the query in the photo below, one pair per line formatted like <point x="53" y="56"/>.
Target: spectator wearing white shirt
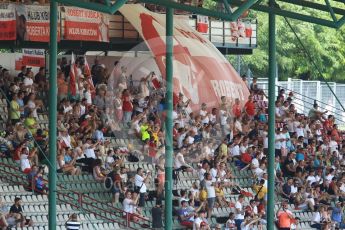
<point x="223" y="121"/>
<point x="235" y="149"/>
<point x="24" y="161"/>
<point x="278" y="111"/>
<point x="65" y="138"/>
<point x="239" y="213"/>
<point x="211" y="193"/>
<point x="311" y="178"/>
<point x="89" y="149"/>
<point x="140" y="181"/>
<point x="204" y="114"/>
<point x="28" y="79"/>
<point x="280" y="139"/>
<point x="299" y="130"/>
<point x="333" y="145"/>
<point x="129" y="206"/>
<point x="213" y="116"/>
<point x="31" y="104"/>
<point x="203" y="170"/>
<point x="330" y="176"/>
<point x="179" y="162"/>
<point x="201" y="222"/>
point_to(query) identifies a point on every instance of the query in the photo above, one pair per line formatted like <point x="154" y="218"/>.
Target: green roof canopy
<point x="233" y="9"/>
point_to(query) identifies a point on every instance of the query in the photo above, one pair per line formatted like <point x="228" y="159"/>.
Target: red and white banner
<point x="33" y="23"/>
<point x="33" y="57"/>
<point x="202" y="24"/>
<point x="7" y="22"/>
<point x="18" y="64"/>
<point x="201" y="72"/>
<point x="86" y="25"/>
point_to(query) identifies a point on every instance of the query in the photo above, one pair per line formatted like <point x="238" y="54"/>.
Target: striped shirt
<point x="72" y="225"/>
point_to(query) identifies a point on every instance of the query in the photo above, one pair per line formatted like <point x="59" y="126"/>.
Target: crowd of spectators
<point x="308" y="148"/>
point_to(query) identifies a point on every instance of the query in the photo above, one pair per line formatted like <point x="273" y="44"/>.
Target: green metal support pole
<point x="271" y="117"/>
<point x="52" y="112"/>
<point x="169" y="119"/>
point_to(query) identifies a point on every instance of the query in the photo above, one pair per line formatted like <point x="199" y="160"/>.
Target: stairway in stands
<point x="93" y="213"/>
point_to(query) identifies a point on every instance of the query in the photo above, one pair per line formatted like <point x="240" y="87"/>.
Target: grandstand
<point x="236" y="154"/>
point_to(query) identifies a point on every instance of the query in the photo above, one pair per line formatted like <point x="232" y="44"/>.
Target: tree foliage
<point x="325" y="45"/>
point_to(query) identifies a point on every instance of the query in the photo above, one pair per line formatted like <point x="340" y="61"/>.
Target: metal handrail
<point x="307" y="102"/>
<point x="80" y="198"/>
<point x="321" y="102"/>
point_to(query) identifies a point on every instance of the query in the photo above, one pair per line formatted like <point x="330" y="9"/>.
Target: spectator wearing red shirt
<point x="127" y="106"/>
<point x="250" y="106"/>
<point x="328" y="124"/>
<point x="335" y="134"/>
<point x="236" y="108"/>
<point x="18" y="151"/>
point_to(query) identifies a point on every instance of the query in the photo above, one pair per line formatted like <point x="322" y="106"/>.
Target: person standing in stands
<point x="157" y="214"/>
<point x="239" y="217"/>
<point x="285" y="217"/>
<point x="14" y="110"/>
<point x="250" y="107"/>
<point x="72" y="223"/>
<point x="140" y="186"/>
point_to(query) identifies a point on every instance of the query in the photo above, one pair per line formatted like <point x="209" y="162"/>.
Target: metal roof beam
<point x="107" y="2"/>
<point x="202" y="11"/>
<point x="227" y="6"/>
<point x="342" y="1"/>
<point x="331" y="11"/>
<point x="315" y="6"/>
<point x="297" y="16"/>
<point x="340" y="22"/>
<point x="289" y="14"/>
<point x="192" y="9"/>
<point x="242" y="8"/>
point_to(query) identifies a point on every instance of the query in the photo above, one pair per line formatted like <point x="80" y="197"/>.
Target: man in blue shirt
<point x="186" y="217"/>
<point x="300" y="154"/>
<point x="337" y="215"/>
<point x="98" y="135"/>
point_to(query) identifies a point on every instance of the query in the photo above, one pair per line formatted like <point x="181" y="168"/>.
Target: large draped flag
<point x="201" y="73"/>
<point x="87" y="74"/>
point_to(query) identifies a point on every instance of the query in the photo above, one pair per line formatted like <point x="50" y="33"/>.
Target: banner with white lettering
<point x="201" y="72"/>
<point x="86" y="25"/>
<point x="33" y="57"/>
<point x="202" y="24"/>
<point x="33" y="23"/>
<point x="7" y="22"/>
